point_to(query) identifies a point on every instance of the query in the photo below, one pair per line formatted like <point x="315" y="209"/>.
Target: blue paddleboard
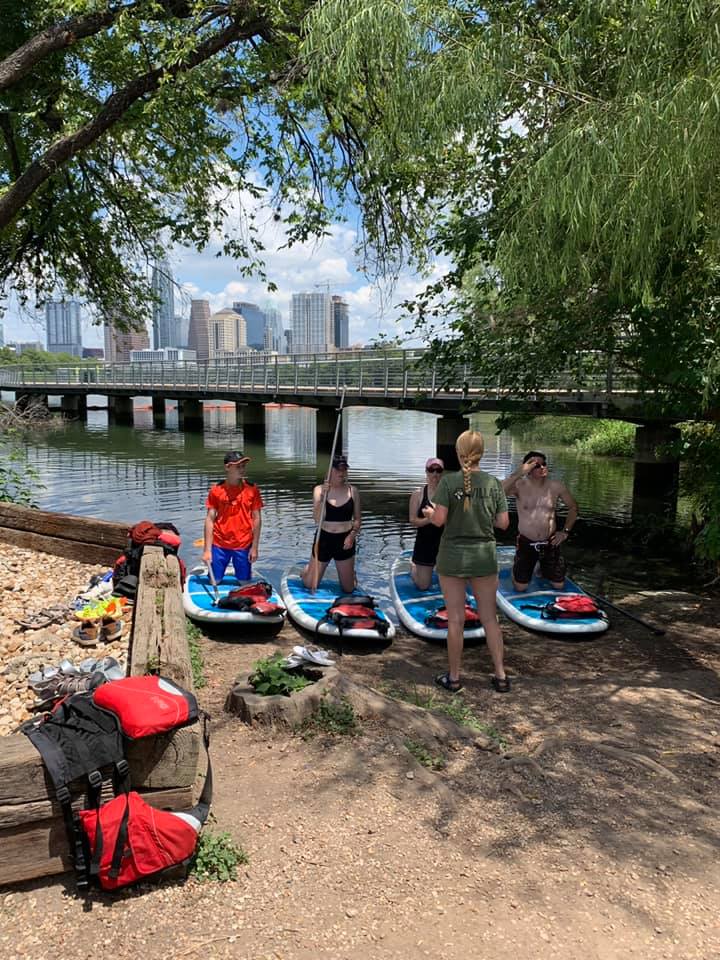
<point x="198" y="596"/>
<point x="307" y="609"/>
<point x="415" y="606"/>
<point x="518" y="606"/>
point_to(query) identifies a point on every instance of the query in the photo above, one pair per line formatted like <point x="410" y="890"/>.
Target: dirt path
<point x="599" y="840"/>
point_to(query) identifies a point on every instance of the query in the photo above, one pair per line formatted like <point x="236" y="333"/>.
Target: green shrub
<point x="610" y="438"/>
<point x="217" y="857"/>
<point x="547" y="430"/>
<point x="433" y="761"/>
<point x="271" y="678"/>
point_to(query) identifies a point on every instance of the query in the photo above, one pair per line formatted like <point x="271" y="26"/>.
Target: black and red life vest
<point x="439" y="619"/>
<point x="144" y="534"/>
<point x="125" y="840"/>
<point x="254" y="597"/>
<point x="354" y="612"/>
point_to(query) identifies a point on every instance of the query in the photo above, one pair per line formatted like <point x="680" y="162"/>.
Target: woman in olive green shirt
<point x="470" y="504"/>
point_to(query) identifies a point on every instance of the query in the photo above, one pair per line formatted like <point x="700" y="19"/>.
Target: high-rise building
<point x="228" y="334"/>
<point x="119" y="343"/>
<point x="312" y="323"/>
<point x="182" y="327"/>
<point x="341" y="323"/>
<point x="274" y="330"/>
<point x="199" y="329"/>
<point x="255" y="320"/>
<point x="163" y="311"/>
<point x="62" y="327"/>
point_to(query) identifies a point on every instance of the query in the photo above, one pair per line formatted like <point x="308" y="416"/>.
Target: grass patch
<point x="455" y="708"/>
<point x="218" y="857"/>
<point x="196" y="660"/>
<point x="270" y="677"/>
<point x="433" y="761"/>
<point x="610" y="438"/>
<point x="336" y="717"/>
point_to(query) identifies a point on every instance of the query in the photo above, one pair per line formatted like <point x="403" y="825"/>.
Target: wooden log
<point x="40" y="848"/>
<point x="159" y="635"/>
<point x="64" y="526"/>
<point x="58" y="547"/>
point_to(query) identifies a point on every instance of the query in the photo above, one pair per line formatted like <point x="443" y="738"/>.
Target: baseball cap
<point x="340" y="463"/>
<point x="434" y="462"/>
<point x="234" y="456"/>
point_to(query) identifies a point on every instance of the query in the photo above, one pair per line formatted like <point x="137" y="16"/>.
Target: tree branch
<point x="114" y="108"/>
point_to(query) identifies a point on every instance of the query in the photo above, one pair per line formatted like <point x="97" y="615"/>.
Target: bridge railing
<point x="392" y="373"/>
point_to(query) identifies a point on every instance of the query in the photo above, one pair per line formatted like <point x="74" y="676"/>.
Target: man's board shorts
<point x="529" y="552"/>
<point x="331" y="547"/>
<point x="221" y="557"/>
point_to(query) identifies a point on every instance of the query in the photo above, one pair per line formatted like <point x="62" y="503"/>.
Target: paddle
<point x="200" y="542"/>
<point x="315" y="574"/>
<point x="658" y="631"/>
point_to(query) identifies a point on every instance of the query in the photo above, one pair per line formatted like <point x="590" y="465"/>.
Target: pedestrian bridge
<point x="388" y="378"/>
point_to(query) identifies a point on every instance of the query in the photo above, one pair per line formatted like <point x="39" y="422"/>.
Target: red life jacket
<point x="439" y="619"/>
<point x="350" y="612"/>
<point x="571" y="606"/>
<point x="253" y="598"/>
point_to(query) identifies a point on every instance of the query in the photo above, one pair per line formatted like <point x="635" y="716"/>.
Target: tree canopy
<point x="126" y="125"/>
<point x="562" y="154"/>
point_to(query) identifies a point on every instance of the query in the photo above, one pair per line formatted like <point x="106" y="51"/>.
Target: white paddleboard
<point x="415" y="606"/>
<point x="307" y="609"/>
<point x="198" y="596"/>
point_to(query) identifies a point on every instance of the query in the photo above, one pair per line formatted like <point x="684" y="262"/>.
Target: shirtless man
<point x="538" y="536"/>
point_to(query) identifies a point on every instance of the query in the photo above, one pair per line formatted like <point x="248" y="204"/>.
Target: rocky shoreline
<point x="29" y="582"/>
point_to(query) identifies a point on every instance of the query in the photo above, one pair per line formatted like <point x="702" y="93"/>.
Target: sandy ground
<point x="592" y="834"/>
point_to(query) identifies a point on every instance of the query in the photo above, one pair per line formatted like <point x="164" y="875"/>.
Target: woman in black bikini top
<point x="339" y="530"/>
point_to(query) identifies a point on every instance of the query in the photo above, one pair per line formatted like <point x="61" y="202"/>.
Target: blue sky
<point x="204" y="275"/>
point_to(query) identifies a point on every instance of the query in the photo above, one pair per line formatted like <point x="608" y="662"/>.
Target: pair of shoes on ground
<point x="43" y="618"/>
<point x="306" y="655"/>
<point x="51" y="683"/>
<point x="90" y="632"/>
<point x="499" y="684"/>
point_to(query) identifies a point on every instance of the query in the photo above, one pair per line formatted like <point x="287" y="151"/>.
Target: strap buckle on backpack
<point x="95" y="779"/>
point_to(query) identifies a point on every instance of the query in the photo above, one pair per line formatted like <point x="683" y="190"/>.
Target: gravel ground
<point x="30" y="581"/>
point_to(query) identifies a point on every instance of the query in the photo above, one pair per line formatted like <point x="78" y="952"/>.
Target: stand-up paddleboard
<point x="520" y="606"/>
<point x="414" y="606"/>
<point x="307" y="609"/>
<point x="199" y="594"/>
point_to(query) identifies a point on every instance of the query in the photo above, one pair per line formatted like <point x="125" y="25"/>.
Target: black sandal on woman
<point x="444" y="681"/>
<point x="501" y="684"/>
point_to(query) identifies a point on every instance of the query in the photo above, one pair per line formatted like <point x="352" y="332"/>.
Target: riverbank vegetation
<point x="603" y="438"/>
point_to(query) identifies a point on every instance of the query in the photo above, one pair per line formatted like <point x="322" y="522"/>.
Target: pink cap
<point x="434" y="462"/>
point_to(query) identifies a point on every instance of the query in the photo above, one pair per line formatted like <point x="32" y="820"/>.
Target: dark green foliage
<point x="335" y="717"/>
<point x="217" y="857"/>
<point x="270" y="678"/>
<point x="424" y="756"/>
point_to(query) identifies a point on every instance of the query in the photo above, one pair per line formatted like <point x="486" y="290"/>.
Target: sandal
<point x="87" y="634"/>
<point x="444" y="681"/>
<point x="500" y="684"/>
<point x="111" y="629"/>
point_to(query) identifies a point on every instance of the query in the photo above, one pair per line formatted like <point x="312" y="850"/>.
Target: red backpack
<point x="253" y="597"/>
<point x="141" y="535"/>
<point x="351" y="612"/>
<point x="569" y="606"/>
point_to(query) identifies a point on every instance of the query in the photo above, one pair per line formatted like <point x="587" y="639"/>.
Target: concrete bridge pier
<point x="449" y="429"/>
<point x="190" y="415"/>
<point x="253" y="422"/>
<point x="120" y="411"/>
<point x="655" y="482"/>
<point x="158" y="412"/>
<point x="23" y="400"/>
<point x="74" y="406"/>
<point x="325" y="422"/>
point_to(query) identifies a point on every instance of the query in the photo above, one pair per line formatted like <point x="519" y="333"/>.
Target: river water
<point x="132" y="473"/>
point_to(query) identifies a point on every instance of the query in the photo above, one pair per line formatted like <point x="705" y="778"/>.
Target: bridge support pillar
<point x="190" y="415"/>
<point x="158" y="412"/>
<point x="449" y="429"/>
<point x="120" y="410"/>
<point x="74" y="406"/>
<point x="253" y="422"/>
<point x="325" y="421"/>
<point x="655" y="483"/>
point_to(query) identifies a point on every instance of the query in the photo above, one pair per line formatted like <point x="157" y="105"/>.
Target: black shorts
<point x="330" y="547"/>
<point x="552" y="563"/>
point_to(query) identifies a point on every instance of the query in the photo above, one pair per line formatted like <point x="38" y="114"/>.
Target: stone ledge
<point x="251" y="707"/>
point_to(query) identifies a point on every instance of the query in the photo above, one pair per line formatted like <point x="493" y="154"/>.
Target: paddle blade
<point x="199" y="542"/>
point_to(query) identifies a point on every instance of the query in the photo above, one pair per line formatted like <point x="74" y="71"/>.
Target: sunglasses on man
<point x="434" y="469"/>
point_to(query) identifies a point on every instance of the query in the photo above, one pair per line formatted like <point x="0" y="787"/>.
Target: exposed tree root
<point x="608" y="749"/>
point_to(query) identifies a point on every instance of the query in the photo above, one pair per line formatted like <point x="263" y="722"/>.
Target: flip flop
<point x="110" y="668"/>
<point x="315" y="655"/>
<point x="293" y="660"/>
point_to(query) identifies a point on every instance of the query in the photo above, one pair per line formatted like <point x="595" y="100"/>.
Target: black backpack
<point x="144" y="534"/>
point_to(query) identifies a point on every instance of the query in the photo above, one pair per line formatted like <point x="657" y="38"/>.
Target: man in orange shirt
<point x="233" y="521"/>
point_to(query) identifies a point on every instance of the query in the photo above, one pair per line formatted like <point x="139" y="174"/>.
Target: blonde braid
<point x="470" y="447"/>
